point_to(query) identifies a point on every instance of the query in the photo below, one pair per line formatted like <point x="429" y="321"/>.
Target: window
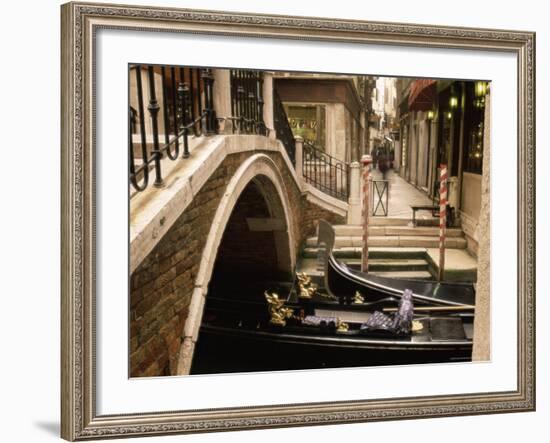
<point x="474" y="129"/>
<point x="308" y="121"/>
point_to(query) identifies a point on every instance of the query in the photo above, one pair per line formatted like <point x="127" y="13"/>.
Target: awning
<point x="422" y="94"/>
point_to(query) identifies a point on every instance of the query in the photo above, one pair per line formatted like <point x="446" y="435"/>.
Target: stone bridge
<point x="237" y="205"/>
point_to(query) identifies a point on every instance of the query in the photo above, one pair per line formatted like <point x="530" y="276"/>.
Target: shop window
<point x="474" y="126"/>
<point x="308" y="121"/>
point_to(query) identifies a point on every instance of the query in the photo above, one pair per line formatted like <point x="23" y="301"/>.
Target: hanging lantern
<point x="453" y="102"/>
<point x="480" y="88"/>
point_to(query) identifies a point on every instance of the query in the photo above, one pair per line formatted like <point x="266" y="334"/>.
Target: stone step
<point x="409" y="275"/>
<point x="391" y="264"/>
<point x="459" y="264"/>
<point x="393" y="241"/>
<point x="397" y="253"/>
<point x="357" y="231"/>
<point x="310" y="266"/>
<point x="349" y="252"/>
<point x="389" y="221"/>
<point x="403" y="221"/>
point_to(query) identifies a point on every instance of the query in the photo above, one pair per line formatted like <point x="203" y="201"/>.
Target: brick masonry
<point x="312" y="213"/>
<point x="162" y="285"/>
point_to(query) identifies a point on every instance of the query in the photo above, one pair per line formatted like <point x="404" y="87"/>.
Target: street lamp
<point x="431" y="115"/>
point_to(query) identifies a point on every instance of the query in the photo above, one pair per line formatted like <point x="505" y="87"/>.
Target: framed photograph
<point x="282" y="221"/>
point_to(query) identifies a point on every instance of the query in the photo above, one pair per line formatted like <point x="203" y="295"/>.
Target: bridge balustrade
<point x="173" y="102"/>
<point x="179" y="102"/>
<point x="247" y="102"/>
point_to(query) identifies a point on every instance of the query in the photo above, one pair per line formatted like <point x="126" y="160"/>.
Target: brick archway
<point x="260" y="172"/>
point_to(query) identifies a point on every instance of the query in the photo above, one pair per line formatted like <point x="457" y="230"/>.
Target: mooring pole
<point x="366" y="161"/>
<point x="442" y="218"/>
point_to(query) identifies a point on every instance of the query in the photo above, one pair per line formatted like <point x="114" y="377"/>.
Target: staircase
<point x="395" y="249"/>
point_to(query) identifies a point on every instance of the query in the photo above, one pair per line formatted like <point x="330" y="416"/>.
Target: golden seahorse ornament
<point x="278" y="312"/>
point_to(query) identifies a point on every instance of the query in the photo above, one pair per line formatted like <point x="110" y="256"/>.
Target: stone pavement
<point x="402" y="195"/>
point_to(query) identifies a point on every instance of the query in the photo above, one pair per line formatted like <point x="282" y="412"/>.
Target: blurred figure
<point x="383" y="164"/>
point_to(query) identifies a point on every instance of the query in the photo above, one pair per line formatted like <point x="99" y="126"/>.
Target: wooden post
<point x="366" y="161"/>
<point x="443" y="175"/>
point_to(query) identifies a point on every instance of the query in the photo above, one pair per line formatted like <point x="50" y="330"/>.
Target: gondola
<point x="343" y="281"/>
<point x="270" y="326"/>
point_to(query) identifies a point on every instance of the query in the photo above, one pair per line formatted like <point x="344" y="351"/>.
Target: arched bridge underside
<point x="246" y="222"/>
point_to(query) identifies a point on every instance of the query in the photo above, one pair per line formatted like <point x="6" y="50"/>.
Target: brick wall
<point x="162" y="285"/>
<point x="312" y="213"/>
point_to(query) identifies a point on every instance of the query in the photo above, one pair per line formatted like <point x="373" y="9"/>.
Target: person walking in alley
<point x="383" y="164"/>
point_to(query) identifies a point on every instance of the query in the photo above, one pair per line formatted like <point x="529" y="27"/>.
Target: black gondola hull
<point x="223" y="350"/>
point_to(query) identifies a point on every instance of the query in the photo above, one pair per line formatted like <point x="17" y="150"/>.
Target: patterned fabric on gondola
<point x="400" y="323"/>
<point x="378" y="322"/>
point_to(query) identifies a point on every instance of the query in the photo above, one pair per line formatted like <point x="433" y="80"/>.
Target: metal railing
<point x="326" y="173"/>
<point x="282" y="127"/>
<point x="247" y="102"/>
<point x="179" y="102"/>
<point x="380" y="197"/>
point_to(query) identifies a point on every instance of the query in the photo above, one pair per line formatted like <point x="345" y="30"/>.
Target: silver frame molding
<point x="80" y="21"/>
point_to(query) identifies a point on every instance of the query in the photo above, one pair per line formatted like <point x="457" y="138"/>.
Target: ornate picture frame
<point x="80" y="23"/>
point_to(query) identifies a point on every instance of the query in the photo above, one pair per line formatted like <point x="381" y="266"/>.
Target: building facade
<point x="443" y="122"/>
<point x="327" y="111"/>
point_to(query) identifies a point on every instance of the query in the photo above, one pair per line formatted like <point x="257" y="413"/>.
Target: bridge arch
<point x="258" y="178"/>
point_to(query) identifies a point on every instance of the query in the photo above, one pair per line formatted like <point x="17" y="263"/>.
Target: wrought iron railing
<point x="380" y="197"/>
<point x="282" y="127"/>
<point x="179" y="102"/>
<point x="326" y="173"/>
<point x="247" y="102"/>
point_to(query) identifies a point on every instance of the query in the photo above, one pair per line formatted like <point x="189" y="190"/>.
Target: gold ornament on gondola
<point x="278" y="312"/>
<point x="343" y="327"/>
<point x="417" y="326"/>
<point x="358" y="299"/>
<point x="307" y="289"/>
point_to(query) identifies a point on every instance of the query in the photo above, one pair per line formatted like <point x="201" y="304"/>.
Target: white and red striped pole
<point x="443" y="176"/>
<point x="366" y="161"/>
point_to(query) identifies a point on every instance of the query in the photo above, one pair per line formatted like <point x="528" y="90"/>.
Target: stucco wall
<point x="470" y="209"/>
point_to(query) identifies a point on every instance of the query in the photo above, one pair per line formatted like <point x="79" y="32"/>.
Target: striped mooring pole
<point x="366" y="161"/>
<point x="443" y="176"/>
